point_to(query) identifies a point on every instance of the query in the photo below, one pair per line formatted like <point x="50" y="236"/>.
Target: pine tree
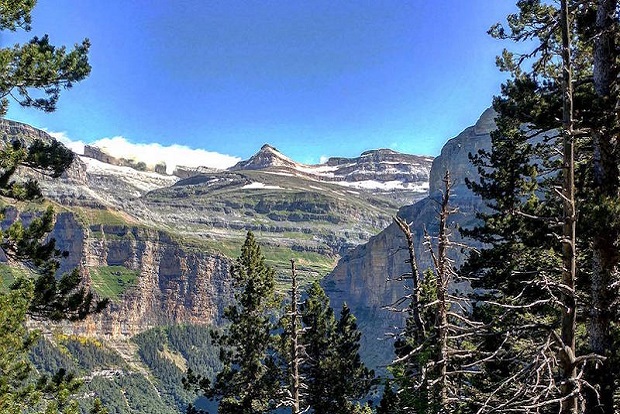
<point x="352" y="379"/>
<point x="536" y="270"/>
<point x="605" y="206"/>
<point x="318" y="318"/>
<point x="24" y="70"/>
<point x="37" y="67"/>
<point x="334" y="374"/>
<point x="250" y="379"/>
<point x="34" y="74"/>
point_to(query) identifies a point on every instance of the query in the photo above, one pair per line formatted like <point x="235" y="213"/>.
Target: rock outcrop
<point x="267" y="157"/>
<point x="183" y="172"/>
<point x="366" y="277"/>
<point x="175" y="284"/>
<point x="382" y="165"/>
<point x="11" y="131"/>
<point x="100" y="155"/>
<point x="455" y="154"/>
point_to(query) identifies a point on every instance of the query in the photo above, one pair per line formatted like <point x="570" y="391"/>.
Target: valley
<point x="159" y="246"/>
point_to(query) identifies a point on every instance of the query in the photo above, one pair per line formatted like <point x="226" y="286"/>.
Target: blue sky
<point x="313" y="78"/>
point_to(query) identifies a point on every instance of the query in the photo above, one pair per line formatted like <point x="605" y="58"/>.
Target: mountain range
<point x="160" y="245"/>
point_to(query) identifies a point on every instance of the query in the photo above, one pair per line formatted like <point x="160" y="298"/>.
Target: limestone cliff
<point x="365" y="278"/>
<point x="174" y="283"/>
<point x="117" y="222"/>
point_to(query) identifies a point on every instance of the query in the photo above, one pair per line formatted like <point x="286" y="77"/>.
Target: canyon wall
<point x="175" y="284"/>
<point x="366" y="278"/>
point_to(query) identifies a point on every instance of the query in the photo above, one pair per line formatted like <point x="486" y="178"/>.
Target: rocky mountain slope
<point x="401" y="177"/>
<point x="159" y="245"/>
<point x="365" y="277"/>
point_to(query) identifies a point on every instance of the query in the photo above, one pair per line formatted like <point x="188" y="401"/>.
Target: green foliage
<point x="112" y="281"/>
<point x="170" y="351"/>
<point x="8" y="274"/>
<point x="522" y="265"/>
<point x="63" y="298"/>
<point x="98" y="408"/>
<point x="333" y="372"/>
<point x="128" y="394"/>
<point x="20" y="386"/>
<point x="37" y="66"/>
<point x="15" y="387"/>
<point x="413" y="372"/>
<point x="25" y="70"/>
<point x="249" y="380"/>
<point x="15" y="14"/>
<point x="157" y="387"/>
<point x="25" y="240"/>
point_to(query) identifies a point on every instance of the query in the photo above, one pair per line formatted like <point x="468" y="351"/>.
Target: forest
<point x="536" y="333"/>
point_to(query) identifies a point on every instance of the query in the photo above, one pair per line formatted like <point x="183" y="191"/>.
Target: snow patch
<point x="385" y="186"/>
<point x="142" y="180"/>
<point x="255" y="185"/>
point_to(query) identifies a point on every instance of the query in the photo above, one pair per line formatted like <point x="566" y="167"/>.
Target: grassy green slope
<point x="112" y="281"/>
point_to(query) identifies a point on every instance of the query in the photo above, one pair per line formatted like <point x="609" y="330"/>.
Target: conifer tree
<point x="318" y="317"/>
<point x="24" y="70"/>
<point x="549" y="110"/>
<point x="34" y="74"/>
<point x="334" y="374"/>
<point x="250" y="378"/>
<point x="35" y="68"/>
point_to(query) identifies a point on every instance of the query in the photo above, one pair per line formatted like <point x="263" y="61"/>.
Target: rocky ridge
<point x="402" y="177"/>
<point x="365" y="278"/>
<point x="177" y="233"/>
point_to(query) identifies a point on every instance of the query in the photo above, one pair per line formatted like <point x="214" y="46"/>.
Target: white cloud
<point x="75" y="146"/>
<point x="323" y="159"/>
<point x="153" y="153"/>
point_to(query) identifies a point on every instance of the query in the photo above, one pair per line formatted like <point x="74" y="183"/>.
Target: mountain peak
<point x="267" y="147"/>
<point x="486" y="122"/>
<point x="267" y="156"/>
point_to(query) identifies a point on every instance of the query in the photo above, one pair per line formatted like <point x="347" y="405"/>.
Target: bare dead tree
<point x="441" y="327"/>
<point x="295" y="357"/>
<point x="414" y="277"/>
<point x="292" y="396"/>
<point x="569" y="386"/>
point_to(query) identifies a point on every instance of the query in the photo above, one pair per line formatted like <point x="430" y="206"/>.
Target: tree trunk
<point x="569" y="371"/>
<point x="443" y="279"/>
<point x="295" y="357"/>
<point x="415" y="277"/>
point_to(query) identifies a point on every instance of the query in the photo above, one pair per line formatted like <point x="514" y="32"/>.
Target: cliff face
<point x="366" y="277"/>
<point x="382" y="164"/>
<point x="454" y="155"/>
<point x="120" y="225"/>
<point x="173" y="284"/>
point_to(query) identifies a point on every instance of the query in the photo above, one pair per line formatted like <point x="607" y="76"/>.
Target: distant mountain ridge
<point x="115" y="217"/>
<point x="374" y="169"/>
<point x="366" y="277"/>
<point x="381" y="169"/>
